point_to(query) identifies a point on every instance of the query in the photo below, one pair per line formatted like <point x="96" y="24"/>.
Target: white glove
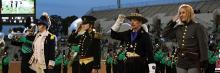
<point x="10" y="36"/>
<point x="144" y="26"/>
<point x="178" y="22"/>
<point x="32" y="24"/>
<point x="51" y="63"/>
<point x="118" y="22"/>
<point x="152" y="67"/>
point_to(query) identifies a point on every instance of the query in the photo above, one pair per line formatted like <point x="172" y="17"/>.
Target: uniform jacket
<point x="192" y="39"/>
<point x="89" y="46"/>
<point x="49" y="49"/>
<point x="142" y="45"/>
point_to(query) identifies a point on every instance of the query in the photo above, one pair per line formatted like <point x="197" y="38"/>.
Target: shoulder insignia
<point x="52" y="37"/>
<point x="98" y="35"/>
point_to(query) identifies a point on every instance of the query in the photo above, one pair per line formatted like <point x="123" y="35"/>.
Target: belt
<point x="132" y="54"/>
<point x="86" y="60"/>
<point x="183" y="51"/>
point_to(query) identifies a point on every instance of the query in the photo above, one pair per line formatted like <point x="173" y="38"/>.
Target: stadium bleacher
<point x="204" y="13"/>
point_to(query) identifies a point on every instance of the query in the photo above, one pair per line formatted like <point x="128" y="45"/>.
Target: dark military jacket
<point x="89" y="46"/>
<point x="49" y="48"/>
<point x="142" y="45"/>
<point x="192" y="39"/>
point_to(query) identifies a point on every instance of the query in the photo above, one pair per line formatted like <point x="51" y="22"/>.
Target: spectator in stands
<point x="137" y="43"/>
<point x="192" y="38"/>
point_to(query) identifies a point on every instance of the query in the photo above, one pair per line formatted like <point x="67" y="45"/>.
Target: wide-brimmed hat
<point x="137" y="16"/>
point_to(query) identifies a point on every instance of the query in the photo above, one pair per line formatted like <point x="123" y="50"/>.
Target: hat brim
<point x="87" y="22"/>
<point x="142" y="19"/>
<point x="42" y="23"/>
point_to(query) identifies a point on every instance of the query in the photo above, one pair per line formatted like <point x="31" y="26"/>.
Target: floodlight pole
<point x="119" y="3"/>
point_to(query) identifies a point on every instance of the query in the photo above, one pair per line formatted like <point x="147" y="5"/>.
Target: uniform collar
<point x="189" y="23"/>
<point x="138" y="34"/>
<point x="81" y="32"/>
<point x="139" y="31"/>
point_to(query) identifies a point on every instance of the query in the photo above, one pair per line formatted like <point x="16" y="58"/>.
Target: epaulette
<point x="98" y="35"/>
<point x="52" y="37"/>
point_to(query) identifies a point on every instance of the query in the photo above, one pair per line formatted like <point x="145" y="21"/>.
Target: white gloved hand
<point x="51" y="63"/>
<point x="32" y="24"/>
<point x="178" y="22"/>
<point x="152" y="67"/>
<point x="10" y="36"/>
<point x="118" y="22"/>
<point x="144" y="26"/>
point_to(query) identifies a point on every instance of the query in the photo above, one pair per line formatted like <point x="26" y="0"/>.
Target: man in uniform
<point x="43" y="58"/>
<point x="136" y="42"/>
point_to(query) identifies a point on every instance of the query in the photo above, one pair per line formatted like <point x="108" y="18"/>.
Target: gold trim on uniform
<point x="132" y="54"/>
<point x="183" y="44"/>
<point x="183" y="36"/>
<point x="98" y="35"/>
<point x="131" y="46"/>
<point x="86" y="60"/>
<point x="184" y="33"/>
<point x="182" y="54"/>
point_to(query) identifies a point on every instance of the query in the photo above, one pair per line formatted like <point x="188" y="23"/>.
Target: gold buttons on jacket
<point x="131" y="46"/>
<point x="183" y="44"/>
<point x="184" y="33"/>
<point x="182" y="54"/>
<point x="81" y="43"/>
<point x="183" y="37"/>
